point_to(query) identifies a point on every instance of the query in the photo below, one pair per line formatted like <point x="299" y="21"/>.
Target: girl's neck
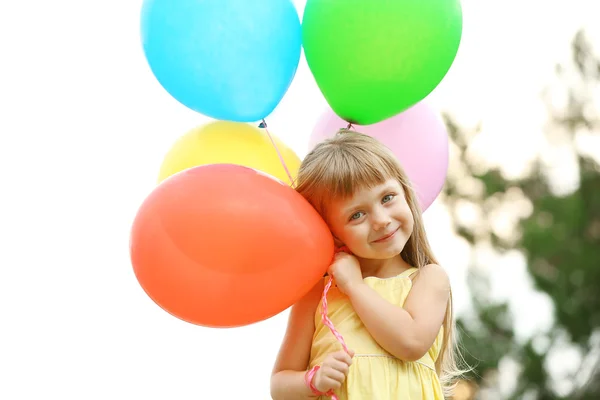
<point x="385" y="268"/>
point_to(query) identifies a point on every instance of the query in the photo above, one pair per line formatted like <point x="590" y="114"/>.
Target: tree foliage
<point x="558" y="232"/>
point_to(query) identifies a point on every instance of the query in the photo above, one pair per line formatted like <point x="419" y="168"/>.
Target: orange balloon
<point x="224" y="245"/>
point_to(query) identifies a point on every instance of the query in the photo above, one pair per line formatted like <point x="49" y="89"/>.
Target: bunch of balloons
<point x="224" y="240"/>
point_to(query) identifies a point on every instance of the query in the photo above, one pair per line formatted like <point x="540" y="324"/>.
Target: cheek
<point x="354" y="234"/>
<point x="406" y="214"/>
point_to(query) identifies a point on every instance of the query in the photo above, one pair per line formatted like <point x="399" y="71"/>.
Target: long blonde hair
<point x="335" y="169"/>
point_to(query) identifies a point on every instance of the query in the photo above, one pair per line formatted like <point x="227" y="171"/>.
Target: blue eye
<point x="388" y="197"/>
<point x="356" y="216"/>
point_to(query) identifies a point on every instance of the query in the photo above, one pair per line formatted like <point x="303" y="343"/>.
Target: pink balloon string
<point x="263" y="125"/>
<point x="326" y="321"/>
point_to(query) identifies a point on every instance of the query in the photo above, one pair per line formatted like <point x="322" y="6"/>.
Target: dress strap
<point x="409" y="272"/>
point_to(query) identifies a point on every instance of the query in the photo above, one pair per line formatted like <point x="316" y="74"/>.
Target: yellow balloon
<point x="225" y="142"/>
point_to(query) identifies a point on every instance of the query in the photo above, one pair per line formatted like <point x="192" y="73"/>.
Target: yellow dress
<point x="375" y="374"/>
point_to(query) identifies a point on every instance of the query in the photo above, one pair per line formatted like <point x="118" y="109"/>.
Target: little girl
<point x="391" y="302"/>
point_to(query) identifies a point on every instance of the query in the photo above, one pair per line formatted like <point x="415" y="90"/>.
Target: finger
<point x="341" y="366"/>
<point x="331" y="383"/>
<point x="343" y="357"/>
<point x="331" y="271"/>
<point x="340" y="254"/>
<point x="334" y="375"/>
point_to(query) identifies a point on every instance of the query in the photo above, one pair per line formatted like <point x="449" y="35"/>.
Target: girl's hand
<point x="345" y="269"/>
<point x="333" y="371"/>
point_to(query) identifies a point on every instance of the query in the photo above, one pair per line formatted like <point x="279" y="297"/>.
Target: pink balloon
<point x="417" y="136"/>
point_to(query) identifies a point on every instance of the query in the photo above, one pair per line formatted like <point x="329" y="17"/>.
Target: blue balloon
<point x="227" y="59"/>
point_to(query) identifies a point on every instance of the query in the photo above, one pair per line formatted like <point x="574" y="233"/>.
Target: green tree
<point x="557" y="231"/>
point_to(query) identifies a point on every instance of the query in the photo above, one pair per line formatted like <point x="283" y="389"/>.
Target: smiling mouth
<point x="386" y="237"/>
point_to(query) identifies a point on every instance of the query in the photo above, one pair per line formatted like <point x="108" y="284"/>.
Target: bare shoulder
<point x="434" y="271"/>
<point x="432" y="277"/>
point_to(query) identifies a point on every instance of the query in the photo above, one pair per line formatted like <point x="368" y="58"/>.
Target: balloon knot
<point x="263" y="124"/>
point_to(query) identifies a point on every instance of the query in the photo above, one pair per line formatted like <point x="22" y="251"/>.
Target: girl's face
<point x="374" y="223"/>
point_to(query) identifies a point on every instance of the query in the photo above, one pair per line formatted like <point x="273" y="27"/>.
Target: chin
<point x="379" y="254"/>
<point x="388" y="252"/>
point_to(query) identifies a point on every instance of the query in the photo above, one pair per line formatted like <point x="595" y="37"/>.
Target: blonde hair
<point x="335" y="169"/>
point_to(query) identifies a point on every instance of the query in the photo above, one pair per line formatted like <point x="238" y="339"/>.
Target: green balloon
<point x="373" y="59"/>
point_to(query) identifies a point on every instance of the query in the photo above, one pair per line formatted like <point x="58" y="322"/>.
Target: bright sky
<point x="83" y="131"/>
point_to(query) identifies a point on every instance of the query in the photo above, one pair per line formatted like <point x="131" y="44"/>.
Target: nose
<point x="380" y="219"/>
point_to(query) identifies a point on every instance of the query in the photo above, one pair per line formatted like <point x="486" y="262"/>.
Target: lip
<point x="386" y="237"/>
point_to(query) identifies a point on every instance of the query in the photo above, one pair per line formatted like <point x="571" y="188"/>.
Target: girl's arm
<point x="287" y="380"/>
<point x="406" y="332"/>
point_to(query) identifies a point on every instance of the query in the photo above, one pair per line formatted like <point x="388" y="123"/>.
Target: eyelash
<point x="392" y="195"/>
